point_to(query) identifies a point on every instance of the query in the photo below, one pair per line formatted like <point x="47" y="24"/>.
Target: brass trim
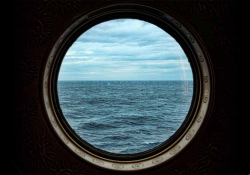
<point x="198" y="111"/>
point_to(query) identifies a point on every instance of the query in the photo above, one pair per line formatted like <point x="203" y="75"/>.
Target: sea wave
<point x="96" y="126"/>
<point x="117" y="137"/>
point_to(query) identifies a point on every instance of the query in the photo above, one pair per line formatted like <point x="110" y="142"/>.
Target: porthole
<point x="63" y="112"/>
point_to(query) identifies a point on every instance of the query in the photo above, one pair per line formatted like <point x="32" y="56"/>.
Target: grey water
<point x="125" y="117"/>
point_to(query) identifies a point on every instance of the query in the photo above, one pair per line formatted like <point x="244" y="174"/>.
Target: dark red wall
<point x="35" y="149"/>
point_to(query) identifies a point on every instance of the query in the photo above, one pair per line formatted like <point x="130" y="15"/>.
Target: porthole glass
<point x="125" y="86"/>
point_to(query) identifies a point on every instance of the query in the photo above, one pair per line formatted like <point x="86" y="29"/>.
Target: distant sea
<point x="125" y="117"/>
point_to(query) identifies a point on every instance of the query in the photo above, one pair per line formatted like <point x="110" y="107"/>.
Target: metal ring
<point x="198" y="111"/>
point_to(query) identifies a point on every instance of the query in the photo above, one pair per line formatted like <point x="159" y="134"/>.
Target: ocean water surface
<point x="125" y="117"/>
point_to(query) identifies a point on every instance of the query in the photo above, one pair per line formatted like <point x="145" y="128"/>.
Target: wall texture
<point x="35" y="149"/>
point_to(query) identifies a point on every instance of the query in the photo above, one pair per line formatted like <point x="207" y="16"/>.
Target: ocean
<point x="125" y="117"/>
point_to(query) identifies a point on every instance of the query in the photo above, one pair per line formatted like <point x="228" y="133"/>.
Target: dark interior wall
<point x="35" y="148"/>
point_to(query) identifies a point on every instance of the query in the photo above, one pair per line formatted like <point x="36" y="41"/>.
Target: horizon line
<point x="124" y="80"/>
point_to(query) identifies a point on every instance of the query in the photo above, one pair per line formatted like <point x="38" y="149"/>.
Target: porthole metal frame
<point x="202" y="74"/>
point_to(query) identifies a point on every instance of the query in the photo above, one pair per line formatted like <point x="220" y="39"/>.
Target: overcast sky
<point x="125" y="50"/>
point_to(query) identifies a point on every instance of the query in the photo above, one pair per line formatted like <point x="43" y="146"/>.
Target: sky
<point x="125" y="49"/>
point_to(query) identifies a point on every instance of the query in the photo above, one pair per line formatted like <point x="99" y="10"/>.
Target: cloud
<point x="125" y="50"/>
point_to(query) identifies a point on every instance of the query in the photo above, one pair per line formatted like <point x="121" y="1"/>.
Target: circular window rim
<point x="200" y="111"/>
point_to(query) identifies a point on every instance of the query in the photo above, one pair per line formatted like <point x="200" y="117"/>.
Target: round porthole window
<point x="126" y="87"/>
